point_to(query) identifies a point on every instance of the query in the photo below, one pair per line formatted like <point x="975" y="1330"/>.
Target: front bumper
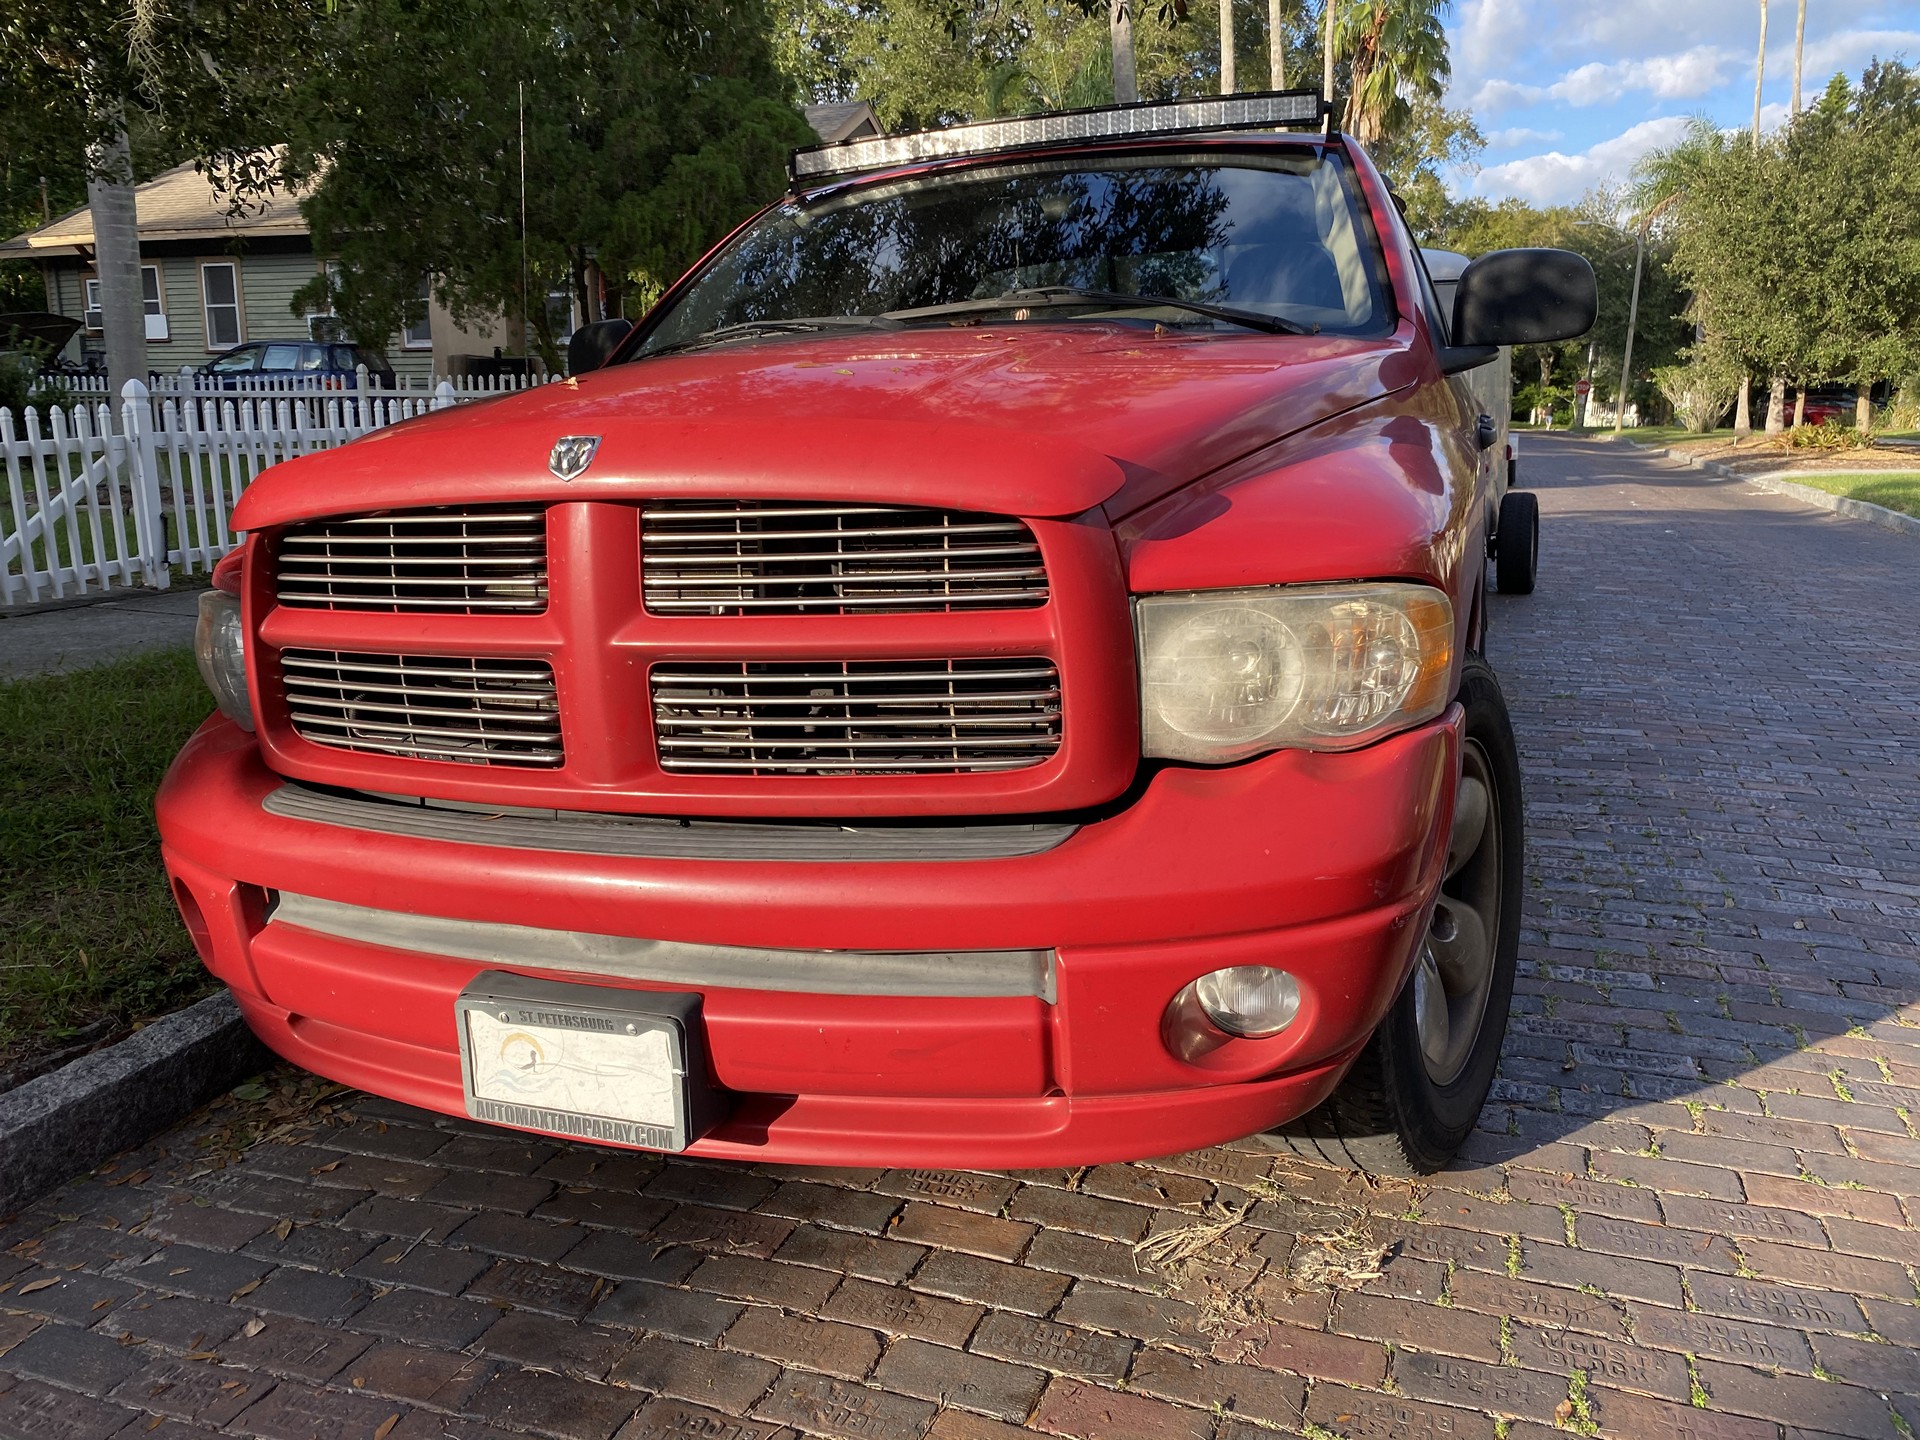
<point x="1323" y="865"/>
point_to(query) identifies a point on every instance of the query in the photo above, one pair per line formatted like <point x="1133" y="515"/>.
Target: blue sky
<point x="1569" y="95"/>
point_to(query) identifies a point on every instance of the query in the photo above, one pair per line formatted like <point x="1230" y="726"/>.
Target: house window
<point x="220" y="292"/>
<point x="419" y="335"/>
<point x="560" y="315"/>
<point x="152" y="302"/>
<point x="322" y="323"/>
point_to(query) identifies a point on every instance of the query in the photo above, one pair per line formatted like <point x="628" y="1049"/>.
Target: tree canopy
<point x="649" y="132"/>
<point x="1799" y="251"/>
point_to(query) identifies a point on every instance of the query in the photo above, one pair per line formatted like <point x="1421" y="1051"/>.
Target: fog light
<point x="1249" y="1000"/>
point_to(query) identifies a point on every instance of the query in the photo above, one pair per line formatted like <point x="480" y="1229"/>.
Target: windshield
<point x="1276" y="235"/>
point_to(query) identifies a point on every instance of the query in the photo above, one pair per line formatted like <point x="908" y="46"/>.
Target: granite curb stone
<point x="58" y="1125"/>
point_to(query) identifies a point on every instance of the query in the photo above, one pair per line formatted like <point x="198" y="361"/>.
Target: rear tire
<point x="1392" y="1114"/>
<point x="1516" y="543"/>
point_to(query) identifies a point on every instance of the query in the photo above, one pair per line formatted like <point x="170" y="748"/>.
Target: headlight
<point x="1229" y="673"/>
<point x="219" y="645"/>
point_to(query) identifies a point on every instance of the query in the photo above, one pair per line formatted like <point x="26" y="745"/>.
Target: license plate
<point x="622" y="1067"/>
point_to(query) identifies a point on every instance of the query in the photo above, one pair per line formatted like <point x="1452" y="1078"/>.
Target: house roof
<point x="853" y="120"/>
<point x="178" y="204"/>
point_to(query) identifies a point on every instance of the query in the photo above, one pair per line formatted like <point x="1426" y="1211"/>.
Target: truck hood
<point x="1027" y="419"/>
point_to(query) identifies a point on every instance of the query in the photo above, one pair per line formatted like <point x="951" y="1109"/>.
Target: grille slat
<point x="477" y="712"/>
<point x="705" y="557"/>
<point x="457" y="562"/>
<point x="888" y="716"/>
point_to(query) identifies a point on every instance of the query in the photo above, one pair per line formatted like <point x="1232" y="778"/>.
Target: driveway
<point x="1686" y="1213"/>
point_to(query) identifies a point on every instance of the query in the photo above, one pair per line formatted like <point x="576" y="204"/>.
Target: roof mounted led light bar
<point x="1266" y="110"/>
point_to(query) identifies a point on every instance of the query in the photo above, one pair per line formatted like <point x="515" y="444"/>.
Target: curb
<point x="191" y="585"/>
<point x="1840" y="504"/>
<point x="61" y="1124"/>
<point x="1776" y="481"/>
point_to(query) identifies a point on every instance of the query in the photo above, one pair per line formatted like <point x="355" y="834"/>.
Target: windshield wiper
<point x="1047" y="295"/>
<point x="801" y="324"/>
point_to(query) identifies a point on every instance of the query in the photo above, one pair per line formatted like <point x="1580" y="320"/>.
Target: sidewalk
<point x="60" y="637"/>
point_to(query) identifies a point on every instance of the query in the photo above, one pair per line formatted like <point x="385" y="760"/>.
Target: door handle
<point x="1486" y="432"/>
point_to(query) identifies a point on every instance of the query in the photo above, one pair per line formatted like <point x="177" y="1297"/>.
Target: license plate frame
<point x="531" y="1050"/>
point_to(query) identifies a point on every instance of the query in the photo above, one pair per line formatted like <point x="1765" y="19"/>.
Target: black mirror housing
<point x="1524" y="297"/>
<point x="592" y="345"/>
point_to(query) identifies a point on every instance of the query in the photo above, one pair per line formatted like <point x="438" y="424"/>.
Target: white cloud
<point x="1849" y="50"/>
<point x="1556" y="178"/>
<point x="1519" y="135"/>
<point x="1503" y="94"/>
<point x="1686" y="76"/>
<point x="1655" y="27"/>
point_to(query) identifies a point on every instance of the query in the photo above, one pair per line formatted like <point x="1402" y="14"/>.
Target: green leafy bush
<point x="1830" y="436"/>
<point x="1699" y="392"/>
<point x="17" y="375"/>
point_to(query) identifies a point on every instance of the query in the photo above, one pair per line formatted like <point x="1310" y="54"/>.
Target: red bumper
<point x="1321" y="864"/>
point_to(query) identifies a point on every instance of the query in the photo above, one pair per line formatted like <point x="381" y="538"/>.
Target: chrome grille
<point x="427" y="707"/>
<point x="761" y="557"/>
<point x="856" y="717"/>
<point x="461" y="562"/>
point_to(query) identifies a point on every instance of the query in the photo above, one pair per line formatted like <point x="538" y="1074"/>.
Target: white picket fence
<point x="95" y="388"/>
<point x="88" y="506"/>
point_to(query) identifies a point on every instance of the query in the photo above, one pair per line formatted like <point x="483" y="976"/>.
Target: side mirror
<point x="592" y="344"/>
<point x="1524" y="297"/>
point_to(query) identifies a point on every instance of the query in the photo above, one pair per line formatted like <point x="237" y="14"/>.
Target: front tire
<point x="1413" y="1094"/>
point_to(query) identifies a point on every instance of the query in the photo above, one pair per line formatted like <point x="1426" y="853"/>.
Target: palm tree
<point x="1277" y="43"/>
<point x="1226" y="47"/>
<point x="1397" y="51"/>
<point x="1799" y="53"/>
<point x="1126" y="83"/>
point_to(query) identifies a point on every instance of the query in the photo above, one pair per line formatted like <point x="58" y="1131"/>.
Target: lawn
<point x="1896" y="490"/>
<point x="89" y="939"/>
<point x="1667" y="434"/>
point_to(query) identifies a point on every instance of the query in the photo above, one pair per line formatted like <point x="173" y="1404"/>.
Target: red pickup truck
<point x="988" y="671"/>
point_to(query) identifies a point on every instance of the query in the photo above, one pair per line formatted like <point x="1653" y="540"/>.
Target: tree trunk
<point x="1126" y="83"/>
<point x="1226" y="47"/>
<point x="1799" y="406"/>
<point x="1863" y="407"/>
<point x="1326" y="48"/>
<point x="1777" y="405"/>
<point x="1799" y="47"/>
<point x="116" y="258"/>
<point x="1743" y="412"/>
<point x="1277" y="44"/>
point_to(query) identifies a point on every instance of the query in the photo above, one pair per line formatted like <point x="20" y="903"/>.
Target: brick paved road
<point x="1690" y="1213"/>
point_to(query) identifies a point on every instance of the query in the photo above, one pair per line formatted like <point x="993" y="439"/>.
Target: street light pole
<point x="1633" y="318"/>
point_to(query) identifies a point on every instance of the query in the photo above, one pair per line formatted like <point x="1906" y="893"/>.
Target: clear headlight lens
<point x="219" y="645"/>
<point x="1230" y="673"/>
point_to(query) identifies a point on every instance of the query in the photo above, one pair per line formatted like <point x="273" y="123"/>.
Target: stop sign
<point x="1583" y="389"/>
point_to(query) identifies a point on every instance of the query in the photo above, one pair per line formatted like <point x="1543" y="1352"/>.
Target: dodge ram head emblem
<point x="572" y="454"/>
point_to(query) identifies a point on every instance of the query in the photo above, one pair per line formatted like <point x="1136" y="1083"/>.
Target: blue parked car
<point x="277" y="364"/>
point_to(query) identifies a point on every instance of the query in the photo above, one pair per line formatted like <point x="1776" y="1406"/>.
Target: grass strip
<point x="88" y="932"/>
<point x="1896" y="491"/>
